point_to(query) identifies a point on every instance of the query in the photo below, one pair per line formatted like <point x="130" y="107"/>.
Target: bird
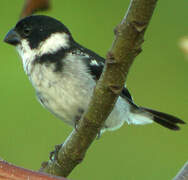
<point x="64" y="75"/>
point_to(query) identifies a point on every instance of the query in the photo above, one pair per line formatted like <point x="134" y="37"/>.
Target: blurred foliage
<point x="157" y="80"/>
<point x="183" y="44"/>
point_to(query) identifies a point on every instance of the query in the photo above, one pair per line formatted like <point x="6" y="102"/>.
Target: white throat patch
<point x="50" y="45"/>
<point x="27" y="54"/>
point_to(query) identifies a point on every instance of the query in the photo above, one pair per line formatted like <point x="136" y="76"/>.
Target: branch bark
<point x="126" y="46"/>
<point x="32" y="6"/>
<point x="11" y="172"/>
<point x="183" y="173"/>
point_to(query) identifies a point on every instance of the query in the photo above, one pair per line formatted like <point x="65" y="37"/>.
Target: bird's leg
<point x="98" y="135"/>
<point x="78" y="117"/>
<point x="54" y="154"/>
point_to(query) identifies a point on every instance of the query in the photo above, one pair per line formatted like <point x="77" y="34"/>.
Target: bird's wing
<point x="126" y="94"/>
<point x="93" y="61"/>
<point x="95" y="64"/>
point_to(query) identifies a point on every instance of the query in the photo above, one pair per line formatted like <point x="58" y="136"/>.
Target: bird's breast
<point x="65" y="94"/>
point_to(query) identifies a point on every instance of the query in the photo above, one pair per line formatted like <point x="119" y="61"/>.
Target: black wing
<point x="95" y="64"/>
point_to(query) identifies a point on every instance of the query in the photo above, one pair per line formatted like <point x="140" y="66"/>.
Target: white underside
<point x="68" y="92"/>
<point x="139" y="119"/>
<point x="121" y="113"/>
<point x="65" y="93"/>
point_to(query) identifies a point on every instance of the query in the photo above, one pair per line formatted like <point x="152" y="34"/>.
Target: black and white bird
<point x="64" y="74"/>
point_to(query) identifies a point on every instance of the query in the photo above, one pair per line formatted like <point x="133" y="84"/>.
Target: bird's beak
<point x="12" y="38"/>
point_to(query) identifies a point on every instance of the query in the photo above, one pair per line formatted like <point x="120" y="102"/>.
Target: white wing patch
<point x="94" y="63"/>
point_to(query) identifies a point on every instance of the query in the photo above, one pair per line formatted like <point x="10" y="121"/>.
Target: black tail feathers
<point x="166" y="120"/>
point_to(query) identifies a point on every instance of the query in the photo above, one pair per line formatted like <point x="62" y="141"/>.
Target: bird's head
<point x="39" y="35"/>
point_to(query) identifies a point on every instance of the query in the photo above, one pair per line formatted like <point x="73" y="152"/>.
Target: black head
<point x="35" y="29"/>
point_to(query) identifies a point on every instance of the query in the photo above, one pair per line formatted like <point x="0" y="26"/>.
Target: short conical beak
<point x="12" y="38"/>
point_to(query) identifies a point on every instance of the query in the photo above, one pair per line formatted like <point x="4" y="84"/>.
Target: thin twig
<point x="32" y="6"/>
<point x="183" y="173"/>
<point x="126" y="46"/>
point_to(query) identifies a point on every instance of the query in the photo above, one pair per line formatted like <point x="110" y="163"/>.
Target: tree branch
<point x="11" y="172"/>
<point x="32" y="6"/>
<point x="126" y="46"/>
<point x="183" y="173"/>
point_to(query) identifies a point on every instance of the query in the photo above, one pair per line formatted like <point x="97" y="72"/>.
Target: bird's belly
<point x="68" y="97"/>
<point x="69" y="106"/>
<point x="65" y="106"/>
<point x="118" y="116"/>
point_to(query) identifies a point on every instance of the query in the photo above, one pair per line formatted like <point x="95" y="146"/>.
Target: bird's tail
<point x="145" y="115"/>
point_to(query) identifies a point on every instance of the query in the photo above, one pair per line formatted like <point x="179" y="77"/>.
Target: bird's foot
<point x="54" y="154"/>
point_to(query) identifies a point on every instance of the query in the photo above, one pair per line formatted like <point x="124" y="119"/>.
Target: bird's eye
<point x="27" y="31"/>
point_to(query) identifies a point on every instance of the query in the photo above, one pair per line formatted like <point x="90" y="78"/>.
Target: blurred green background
<point x="158" y="79"/>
